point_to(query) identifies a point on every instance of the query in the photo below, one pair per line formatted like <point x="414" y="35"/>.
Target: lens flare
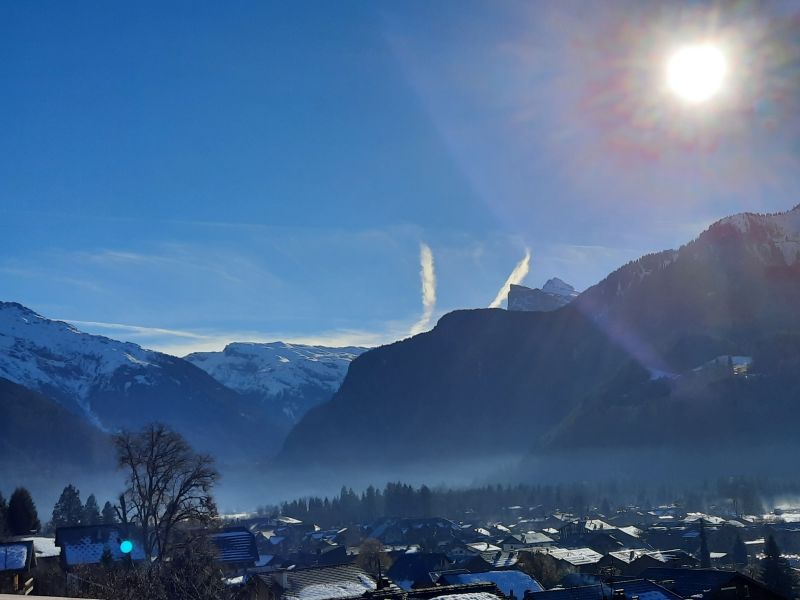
<point x="696" y="73"/>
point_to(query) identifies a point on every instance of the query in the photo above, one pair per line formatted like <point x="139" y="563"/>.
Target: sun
<point x="696" y="73"/>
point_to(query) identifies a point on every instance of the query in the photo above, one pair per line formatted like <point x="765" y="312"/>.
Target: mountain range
<point x="494" y="381"/>
<point x="107" y="385"/>
<point x="283" y="380"/>
<point x="648" y="357"/>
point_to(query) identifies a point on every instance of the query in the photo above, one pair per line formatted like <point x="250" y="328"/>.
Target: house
<point x="45" y="549"/>
<point x="418" y="570"/>
<point x="710" y="584"/>
<point x="582" y="560"/>
<point x="318" y="583"/>
<point x="529" y="539"/>
<point x="471" y="591"/>
<point x="631" y="563"/>
<point x="88" y="544"/>
<point x="235" y="548"/>
<point x="17" y="559"/>
<point x="627" y="590"/>
<point x="510" y="582"/>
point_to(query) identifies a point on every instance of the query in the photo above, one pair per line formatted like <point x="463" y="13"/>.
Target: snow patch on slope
<point x="55" y="357"/>
<point x="276" y="367"/>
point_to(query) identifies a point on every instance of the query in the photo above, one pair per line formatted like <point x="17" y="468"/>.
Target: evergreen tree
<point x="91" y="511"/>
<point x="775" y="570"/>
<point x="22" y="515"/>
<point x="68" y="511"/>
<point x="739" y="552"/>
<point x="109" y="515"/>
<point x="705" y="555"/>
<point x="3" y="516"/>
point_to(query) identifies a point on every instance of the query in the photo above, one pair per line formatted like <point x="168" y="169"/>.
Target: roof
<point x="500" y="559"/>
<point x="467" y="596"/>
<point x="320" y="583"/>
<point x="16" y="556"/>
<point x="235" y="545"/>
<point x="645" y="590"/>
<point x="529" y="537"/>
<point x="44" y="547"/>
<point x="506" y="581"/>
<point x="409" y="569"/>
<point x="575" y="556"/>
<point x="688" y="582"/>
<point x="86" y="544"/>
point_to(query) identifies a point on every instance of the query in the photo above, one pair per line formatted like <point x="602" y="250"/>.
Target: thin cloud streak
<point x="137" y="329"/>
<point x="516" y="277"/>
<point x="181" y="342"/>
<point x="428" y="278"/>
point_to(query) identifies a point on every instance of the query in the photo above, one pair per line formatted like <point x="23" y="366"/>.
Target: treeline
<point x="19" y="515"/>
<point x="734" y="494"/>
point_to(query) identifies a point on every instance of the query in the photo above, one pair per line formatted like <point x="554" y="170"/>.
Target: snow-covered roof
<point x="15" y="556"/>
<point x="322" y="583"/>
<point x="575" y="556"/>
<point x="235" y="546"/>
<point x="468" y="596"/>
<point x="44" y="547"/>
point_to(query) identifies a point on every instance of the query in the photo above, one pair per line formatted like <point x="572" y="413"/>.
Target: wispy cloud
<point x="137" y="329"/>
<point x="428" y="279"/>
<point x="181" y="342"/>
<point x="516" y="277"/>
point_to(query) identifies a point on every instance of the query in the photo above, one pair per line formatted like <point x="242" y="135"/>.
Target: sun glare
<point x="696" y="73"/>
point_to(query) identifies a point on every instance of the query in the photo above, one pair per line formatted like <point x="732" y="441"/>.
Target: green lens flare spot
<point x="126" y="546"/>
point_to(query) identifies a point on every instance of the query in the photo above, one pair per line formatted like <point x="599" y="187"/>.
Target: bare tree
<point x="373" y="558"/>
<point x="168" y="483"/>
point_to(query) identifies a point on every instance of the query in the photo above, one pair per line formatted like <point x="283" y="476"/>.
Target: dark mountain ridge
<point x="487" y="381"/>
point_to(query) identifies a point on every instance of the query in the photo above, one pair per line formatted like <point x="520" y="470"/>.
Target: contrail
<point x="516" y="277"/>
<point x="428" y="278"/>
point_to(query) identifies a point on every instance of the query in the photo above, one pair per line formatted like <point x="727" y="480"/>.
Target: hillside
<point x="512" y="377"/>
<point x="113" y="385"/>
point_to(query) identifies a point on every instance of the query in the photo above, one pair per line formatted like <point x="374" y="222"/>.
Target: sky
<point x="186" y="174"/>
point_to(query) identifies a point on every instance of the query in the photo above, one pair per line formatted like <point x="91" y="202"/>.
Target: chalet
<point x="44" y="549"/>
<point x="511" y="582"/>
<point x="17" y="560"/>
<point x="317" y="583"/>
<point x="710" y="584"/>
<point x="582" y="560"/>
<point x="235" y="548"/>
<point x="628" y="590"/>
<point x="471" y="591"/>
<point x="88" y="544"/>
<point x="529" y="539"/>
<point x="418" y="570"/>
<point x="631" y="563"/>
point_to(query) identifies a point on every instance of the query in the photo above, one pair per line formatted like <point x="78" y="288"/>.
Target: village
<point x="663" y="553"/>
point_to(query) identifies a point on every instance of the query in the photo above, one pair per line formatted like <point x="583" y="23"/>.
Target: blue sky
<point x="182" y="174"/>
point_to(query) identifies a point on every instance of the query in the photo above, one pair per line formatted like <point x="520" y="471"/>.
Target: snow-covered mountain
<point x="287" y="379"/>
<point x="559" y="287"/>
<point x="116" y="385"/>
<point x="57" y="359"/>
<point x="554" y="294"/>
